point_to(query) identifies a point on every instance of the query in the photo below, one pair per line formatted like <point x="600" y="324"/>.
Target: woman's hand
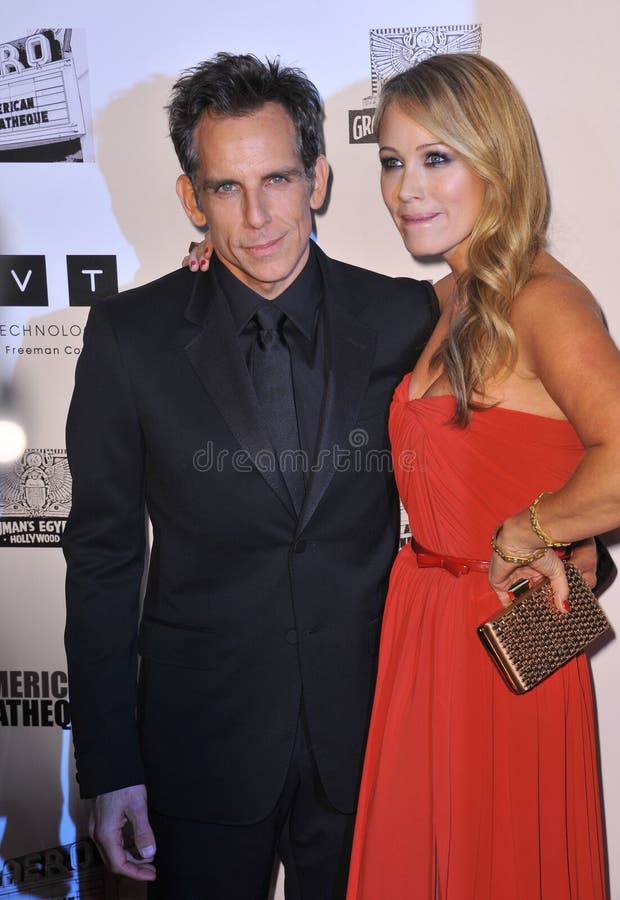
<point x="502" y="575"/>
<point x="199" y="255"/>
<point x="516" y="539"/>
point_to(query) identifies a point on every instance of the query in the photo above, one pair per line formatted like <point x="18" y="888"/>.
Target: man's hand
<point x="120" y="828"/>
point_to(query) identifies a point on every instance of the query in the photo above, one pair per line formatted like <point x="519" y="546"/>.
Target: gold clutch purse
<point x="529" y="639"/>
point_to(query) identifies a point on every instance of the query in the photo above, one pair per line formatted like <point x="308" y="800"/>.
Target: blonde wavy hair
<point x="471" y="105"/>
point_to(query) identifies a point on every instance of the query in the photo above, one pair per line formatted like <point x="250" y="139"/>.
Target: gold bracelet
<point x="538" y="527"/>
<point x="508" y="557"/>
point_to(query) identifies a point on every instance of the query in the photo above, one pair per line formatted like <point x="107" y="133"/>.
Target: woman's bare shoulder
<point x="552" y="290"/>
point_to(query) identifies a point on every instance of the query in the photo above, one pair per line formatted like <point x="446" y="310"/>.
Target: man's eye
<point x="277" y="179"/>
<point x="390" y="162"/>
<point x="226" y="188"/>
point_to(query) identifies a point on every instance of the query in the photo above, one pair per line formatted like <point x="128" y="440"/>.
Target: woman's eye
<point x="436" y="159"/>
<point x="390" y="162"/>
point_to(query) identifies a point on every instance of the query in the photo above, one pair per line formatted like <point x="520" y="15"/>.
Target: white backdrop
<point x="120" y="202"/>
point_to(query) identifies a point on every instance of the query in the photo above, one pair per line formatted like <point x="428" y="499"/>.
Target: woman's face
<point x="432" y="194"/>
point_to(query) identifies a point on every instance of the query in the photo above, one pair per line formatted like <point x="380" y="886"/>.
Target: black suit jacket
<point x="247" y="606"/>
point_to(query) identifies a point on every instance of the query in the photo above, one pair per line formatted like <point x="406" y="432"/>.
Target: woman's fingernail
<point x="565" y="605"/>
<point x="204" y="264"/>
<point x="193" y="265"/>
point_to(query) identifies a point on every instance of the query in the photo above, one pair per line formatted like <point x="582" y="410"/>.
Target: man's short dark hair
<point x="235" y="85"/>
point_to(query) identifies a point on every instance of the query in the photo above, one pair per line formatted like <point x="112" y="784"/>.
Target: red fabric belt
<point x="456" y="565"/>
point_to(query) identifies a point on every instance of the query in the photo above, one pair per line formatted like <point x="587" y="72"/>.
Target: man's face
<point x="254" y="195"/>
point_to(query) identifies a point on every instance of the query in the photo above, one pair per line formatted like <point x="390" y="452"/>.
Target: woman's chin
<point x="425" y="256"/>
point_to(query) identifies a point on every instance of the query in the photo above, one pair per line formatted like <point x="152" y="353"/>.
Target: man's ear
<point x="189" y="201"/>
<point x="321" y="180"/>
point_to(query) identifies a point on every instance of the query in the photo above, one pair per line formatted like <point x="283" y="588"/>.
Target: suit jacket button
<point x="291" y="636"/>
<point x="299" y="546"/>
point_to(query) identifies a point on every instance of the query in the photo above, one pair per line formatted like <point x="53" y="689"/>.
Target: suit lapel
<point x="350" y="347"/>
<point x="215" y="355"/>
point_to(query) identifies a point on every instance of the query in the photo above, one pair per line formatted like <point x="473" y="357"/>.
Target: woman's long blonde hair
<point x="471" y="105"/>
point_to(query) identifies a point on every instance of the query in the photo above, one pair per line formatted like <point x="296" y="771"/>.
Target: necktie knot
<point x="270" y="321"/>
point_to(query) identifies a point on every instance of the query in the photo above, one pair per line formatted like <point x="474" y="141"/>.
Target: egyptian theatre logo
<point x="393" y="50"/>
<point x="35" y="498"/>
<point x="44" y="114"/>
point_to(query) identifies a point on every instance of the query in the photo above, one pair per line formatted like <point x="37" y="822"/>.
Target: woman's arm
<point x="564" y="345"/>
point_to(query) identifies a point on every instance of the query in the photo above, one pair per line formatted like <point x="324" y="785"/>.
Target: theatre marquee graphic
<point x="70" y="872"/>
<point x="35" y="498"/>
<point x="41" y="109"/>
<point x="393" y="50"/>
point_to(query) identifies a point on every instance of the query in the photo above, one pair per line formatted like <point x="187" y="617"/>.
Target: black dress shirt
<point x="305" y="335"/>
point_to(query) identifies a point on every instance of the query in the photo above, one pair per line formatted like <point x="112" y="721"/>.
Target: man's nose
<point x="256" y="209"/>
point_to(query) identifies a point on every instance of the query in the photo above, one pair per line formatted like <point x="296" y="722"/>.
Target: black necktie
<point x="273" y="382"/>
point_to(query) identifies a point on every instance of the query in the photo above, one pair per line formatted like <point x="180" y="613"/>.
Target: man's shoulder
<point x="371" y="281"/>
<point x="161" y="301"/>
<point x="170" y="288"/>
<point x="385" y="302"/>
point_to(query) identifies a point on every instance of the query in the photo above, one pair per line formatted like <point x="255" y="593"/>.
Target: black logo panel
<point x="91" y="278"/>
<point x="361" y="126"/>
<point x="23" y="281"/>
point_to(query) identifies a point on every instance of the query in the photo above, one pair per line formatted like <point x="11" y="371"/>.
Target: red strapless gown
<point x="469" y="791"/>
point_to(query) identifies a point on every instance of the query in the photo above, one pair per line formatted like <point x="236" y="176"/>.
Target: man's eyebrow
<point x="287" y="173"/>
<point x="210" y="184"/>
<point x="214" y="183"/>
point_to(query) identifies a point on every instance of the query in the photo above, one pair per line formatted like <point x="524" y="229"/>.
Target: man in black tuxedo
<point x="246" y="410"/>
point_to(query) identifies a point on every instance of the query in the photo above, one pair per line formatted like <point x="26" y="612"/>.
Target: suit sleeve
<point x="104" y="545"/>
<point x="425" y="296"/>
<point x="605" y="567"/>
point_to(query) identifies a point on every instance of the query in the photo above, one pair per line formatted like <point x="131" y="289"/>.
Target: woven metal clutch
<point x="529" y="639"/>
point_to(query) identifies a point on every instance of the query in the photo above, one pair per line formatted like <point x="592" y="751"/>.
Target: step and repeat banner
<point x="89" y="207"/>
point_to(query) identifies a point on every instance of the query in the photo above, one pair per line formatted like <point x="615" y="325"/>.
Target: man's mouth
<point x="264" y="249"/>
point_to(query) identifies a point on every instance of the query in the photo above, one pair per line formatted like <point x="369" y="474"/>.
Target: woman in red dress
<point x="471" y="792"/>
